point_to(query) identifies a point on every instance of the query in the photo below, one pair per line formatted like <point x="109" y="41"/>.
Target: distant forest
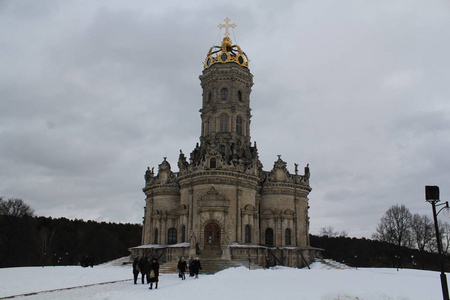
<point x="371" y="253"/>
<point x="36" y="241"/>
<point x="27" y="240"/>
<point x="42" y="241"/>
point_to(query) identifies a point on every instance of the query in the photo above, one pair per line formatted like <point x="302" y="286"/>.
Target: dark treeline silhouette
<point x="36" y="241"/>
<point x="371" y="253"/>
<point x="27" y="240"/>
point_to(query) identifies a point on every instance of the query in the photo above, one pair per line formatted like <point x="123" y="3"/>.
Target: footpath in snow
<point x="318" y="283"/>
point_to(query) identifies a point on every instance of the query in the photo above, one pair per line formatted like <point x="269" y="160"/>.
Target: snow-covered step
<point x="331" y="264"/>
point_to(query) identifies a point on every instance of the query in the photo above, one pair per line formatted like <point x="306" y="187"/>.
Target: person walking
<point x="136" y="269"/>
<point x="154" y="273"/>
<point x="182" y="266"/>
<point x="144" y="265"/>
<point x="196" y="267"/>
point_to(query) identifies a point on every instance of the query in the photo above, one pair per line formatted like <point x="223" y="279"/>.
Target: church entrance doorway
<point x="212" y="236"/>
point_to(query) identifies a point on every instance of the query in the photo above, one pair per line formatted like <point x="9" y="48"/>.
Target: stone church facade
<point x="221" y="201"/>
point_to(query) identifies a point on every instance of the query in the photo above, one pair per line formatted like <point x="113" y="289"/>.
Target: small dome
<point x="227" y="52"/>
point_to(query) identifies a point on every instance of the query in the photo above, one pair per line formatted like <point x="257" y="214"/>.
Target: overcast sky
<point x="93" y="92"/>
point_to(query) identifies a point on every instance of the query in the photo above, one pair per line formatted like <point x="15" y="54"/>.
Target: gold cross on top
<point x="226" y="26"/>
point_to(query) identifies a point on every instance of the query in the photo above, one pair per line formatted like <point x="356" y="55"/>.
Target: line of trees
<point x="405" y="230"/>
<point x="28" y="240"/>
<point x="400" y="227"/>
<point x="402" y="239"/>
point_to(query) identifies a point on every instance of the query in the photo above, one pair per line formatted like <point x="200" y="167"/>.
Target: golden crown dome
<point x="227" y="52"/>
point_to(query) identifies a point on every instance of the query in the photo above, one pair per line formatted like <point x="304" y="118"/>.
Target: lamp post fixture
<point x="432" y="196"/>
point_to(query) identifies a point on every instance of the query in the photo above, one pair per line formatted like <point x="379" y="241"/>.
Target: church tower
<point x="221" y="203"/>
<point x="225" y="132"/>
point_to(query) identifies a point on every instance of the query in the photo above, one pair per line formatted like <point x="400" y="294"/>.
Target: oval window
<point x="224" y="57"/>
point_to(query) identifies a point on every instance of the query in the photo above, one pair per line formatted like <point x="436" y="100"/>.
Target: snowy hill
<point x="112" y="281"/>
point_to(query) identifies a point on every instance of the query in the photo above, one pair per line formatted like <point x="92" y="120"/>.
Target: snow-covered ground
<point x="318" y="283"/>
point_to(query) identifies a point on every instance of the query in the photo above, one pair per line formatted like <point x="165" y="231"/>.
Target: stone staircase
<point x="211" y="262"/>
<point x="332" y="264"/>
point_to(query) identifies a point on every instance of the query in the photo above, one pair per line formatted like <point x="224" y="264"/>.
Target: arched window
<point x="172" y="236"/>
<point x="224" y="94"/>
<point x="224" y="120"/>
<point x="239" y="125"/>
<point x="212" y="163"/>
<point x="183" y="233"/>
<point x="155" y="236"/>
<point x="210" y="125"/>
<point x="269" y="237"/>
<point x="248" y="234"/>
<point x="239" y="96"/>
<point x="287" y="237"/>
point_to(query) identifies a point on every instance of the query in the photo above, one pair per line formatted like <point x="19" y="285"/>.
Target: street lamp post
<point x="432" y="196"/>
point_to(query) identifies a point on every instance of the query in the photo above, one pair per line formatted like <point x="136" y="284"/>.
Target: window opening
<point x="224" y="94"/>
<point x="172" y="236"/>
<point x="288" y="237"/>
<point x="248" y="234"/>
<point x="269" y="236"/>
<point x="224" y="123"/>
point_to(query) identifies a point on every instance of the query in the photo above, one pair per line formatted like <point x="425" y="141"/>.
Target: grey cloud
<point x="91" y="93"/>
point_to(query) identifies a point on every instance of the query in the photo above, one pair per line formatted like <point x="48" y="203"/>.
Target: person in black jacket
<point x="154" y="273"/>
<point x="136" y="269"/>
<point x="196" y="267"/>
<point x="144" y="266"/>
<point x="182" y="266"/>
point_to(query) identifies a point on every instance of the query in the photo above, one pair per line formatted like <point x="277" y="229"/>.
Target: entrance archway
<point x="212" y="236"/>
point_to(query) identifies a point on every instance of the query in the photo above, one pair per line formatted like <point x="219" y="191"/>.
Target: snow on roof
<point x="157" y="246"/>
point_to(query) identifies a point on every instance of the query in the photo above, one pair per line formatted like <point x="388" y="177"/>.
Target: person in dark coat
<point x="154" y="273"/>
<point x="144" y="266"/>
<point x="196" y="267"/>
<point x="182" y="266"/>
<point x="136" y="269"/>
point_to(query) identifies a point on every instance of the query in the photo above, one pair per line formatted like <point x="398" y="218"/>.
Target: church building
<point x="221" y="203"/>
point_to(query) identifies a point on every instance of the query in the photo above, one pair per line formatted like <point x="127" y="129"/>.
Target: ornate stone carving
<point x="213" y="199"/>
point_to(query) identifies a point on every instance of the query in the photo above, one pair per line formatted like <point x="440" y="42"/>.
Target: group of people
<point x="194" y="268"/>
<point x="148" y="270"/>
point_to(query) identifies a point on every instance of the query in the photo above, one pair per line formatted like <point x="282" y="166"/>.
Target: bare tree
<point x="15" y="207"/>
<point x="395" y="226"/>
<point x="444" y="230"/>
<point x="422" y="231"/>
<point x="329" y="231"/>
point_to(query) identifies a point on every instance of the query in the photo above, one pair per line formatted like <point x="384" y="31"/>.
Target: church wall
<point x="248" y="215"/>
<point x="185" y="203"/>
<point x="147" y="221"/>
<point x="224" y="215"/>
<point x="303" y="222"/>
<point x="163" y="212"/>
<point x="279" y="212"/>
<point x="235" y="196"/>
